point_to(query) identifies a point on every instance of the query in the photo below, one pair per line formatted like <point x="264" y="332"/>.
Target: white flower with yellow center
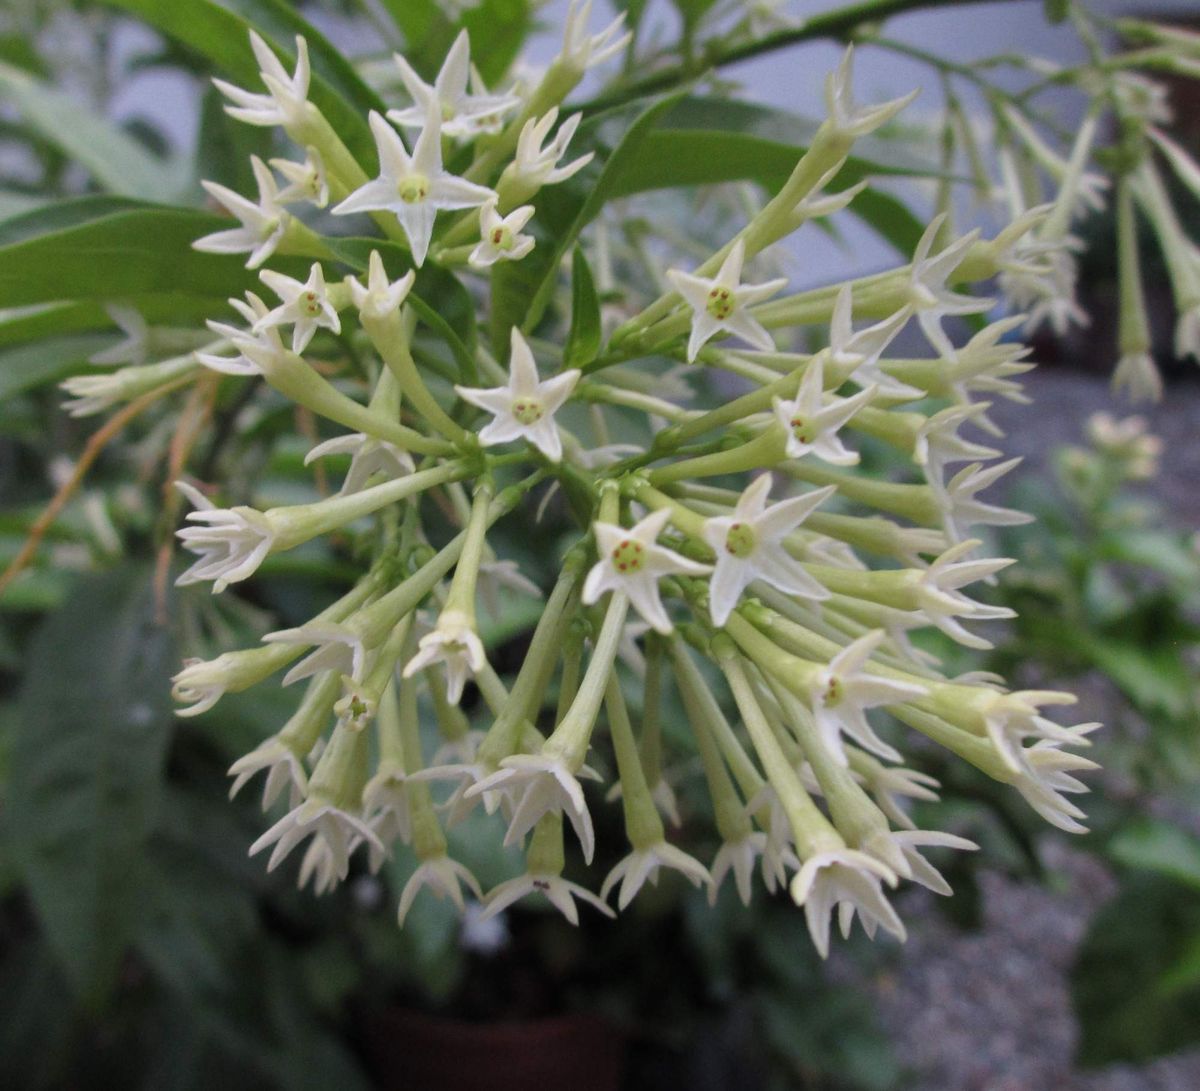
<point x="721" y="304"/>
<point x="843" y="691"/>
<point x="811" y="424"/>
<point x="413" y="187"/>
<point x="631" y="561"/>
<point x="525" y="408"/>
<point x="306" y="306"/>
<point x="463" y="114"/>
<point x="534" y="166"/>
<point x="858" y="353"/>
<point x="749" y="546"/>
<point x="380" y="298"/>
<point x="262" y="224"/>
<point x="500" y="237"/>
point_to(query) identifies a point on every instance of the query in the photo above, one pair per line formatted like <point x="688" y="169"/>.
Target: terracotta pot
<point x="413" y="1052"/>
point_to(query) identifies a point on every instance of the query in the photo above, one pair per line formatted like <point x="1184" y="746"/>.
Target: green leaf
<point x="220" y="32"/>
<point x="87" y="763"/>
<point x="1153" y="845"/>
<point x="503" y="25"/>
<point x="47" y="361"/>
<point x="118" y="162"/>
<point x="1130" y="998"/>
<point x="583" y="340"/>
<point x="112" y="249"/>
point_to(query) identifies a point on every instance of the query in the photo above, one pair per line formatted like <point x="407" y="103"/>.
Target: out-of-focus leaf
<point x="1129" y="1000"/>
<point x="87" y="759"/>
<point x="583" y="339"/>
<point x="1154" y="845"/>
<point x="54" y="253"/>
<point x="498" y="28"/>
<point x="118" y="162"/>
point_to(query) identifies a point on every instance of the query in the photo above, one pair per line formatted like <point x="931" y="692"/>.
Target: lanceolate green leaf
<point x="583" y="340"/>
<point x="87" y="760"/>
<point x="56" y="253"/>
<point x="118" y="162"/>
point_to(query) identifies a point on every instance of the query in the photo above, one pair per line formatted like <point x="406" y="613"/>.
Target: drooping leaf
<point x="119" y="163"/>
<point x="87" y="762"/>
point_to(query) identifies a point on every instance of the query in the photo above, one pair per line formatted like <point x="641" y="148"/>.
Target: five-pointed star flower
<point x="643" y="865"/>
<point x="341" y="831"/>
<point x="526" y="407"/>
<point x="631" y="561"/>
<point x="739" y="858"/>
<point x="960" y="509"/>
<point x="927" y="292"/>
<point x="843" y="690"/>
<point x="534" y="166"/>
<point x="844" y="114"/>
<point x="284" y="766"/>
<point x="720" y="304"/>
<point x="851" y="880"/>
<point x="381" y="297"/>
<point x="941" y="601"/>
<point x="413" y="187"/>
<point x="500" y="237"/>
<point x="445" y="878"/>
<point x="455" y="643"/>
<point x="749" y="546"/>
<point x="368" y="457"/>
<point x="306" y="306"/>
<point x="581" y="50"/>
<point x="262" y="225"/>
<point x="557" y="891"/>
<point x="811" y="425"/>
<point x="288" y="95"/>
<point x="858" y="353"/>
<point x="463" y="114"/>
<point x="231" y="545"/>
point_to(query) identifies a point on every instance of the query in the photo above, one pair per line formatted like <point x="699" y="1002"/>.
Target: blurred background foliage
<point x="139" y="947"/>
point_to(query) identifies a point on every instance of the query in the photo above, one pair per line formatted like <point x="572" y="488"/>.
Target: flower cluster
<point x="737" y="554"/>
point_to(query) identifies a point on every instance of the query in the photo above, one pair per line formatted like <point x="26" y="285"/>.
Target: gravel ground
<point x="990" y="1010"/>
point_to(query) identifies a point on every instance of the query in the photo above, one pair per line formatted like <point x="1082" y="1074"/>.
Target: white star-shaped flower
<point x="631" y="561"/>
<point x="454" y="642"/>
<point x="288" y="94"/>
<point x="941" y="601"/>
<point x="414" y="187"/>
<point x="534" y="166"/>
<point x="858" y="353"/>
<point x="463" y="114"/>
<point x="368" y="457"/>
<point x="500" y="237"/>
<point x="284" y="766"/>
<point x="540" y="785"/>
<point x="381" y="297"/>
<point x="845" y="115"/>
<point x="721" y="304"/>
<point x="525" y="408"/>
<point x="232" y="543"/>
<point x="916" y="867"/>
<point x="1010" y="718"/>
<point x="927" y="292"/>
<point x="749" y="546"/>
<point x="341" y="831"/>
<point x="554" y="888"/>
<point x="643" y="865"/>
<point x="581" y="50"/>
<point x="811" y="424"/>
<point x="843" y="690"/>
<point x="961" y="510"/>
<point x="737" y="857"/>
<point x="888" y="784"/>
<point x="1138" y="374"/>
<point x="306" y="306"/>
<point x="848" y="879"/>
<point x="445" y="878"/>
<point x="307" y="181"/>
<point x="386" y="807"/>
<point x="263" y="224"/>
<point x="938" y="443"/>
<point x="1047" y="776"/>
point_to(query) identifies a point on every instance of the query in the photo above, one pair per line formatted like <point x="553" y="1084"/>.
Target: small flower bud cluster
<point x="736" y="557"/>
